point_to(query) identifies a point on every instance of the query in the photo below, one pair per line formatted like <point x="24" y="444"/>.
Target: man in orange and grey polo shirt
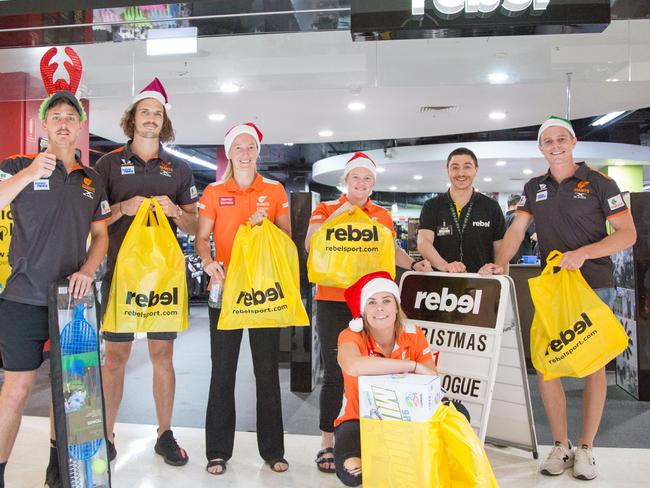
<point x="56" y="203"/>
<point x="142" y="168"/>
<point x="332" y="314"/>
<point x="571" y="204"/>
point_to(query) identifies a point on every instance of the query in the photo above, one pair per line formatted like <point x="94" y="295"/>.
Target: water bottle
<point x="216" y="293"/>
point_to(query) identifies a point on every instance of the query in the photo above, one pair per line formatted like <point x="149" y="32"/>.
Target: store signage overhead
<point x="413" y="19"/>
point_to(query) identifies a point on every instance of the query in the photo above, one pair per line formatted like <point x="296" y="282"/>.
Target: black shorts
<point x="23" y="332"/>
<point x="128" y="336"/>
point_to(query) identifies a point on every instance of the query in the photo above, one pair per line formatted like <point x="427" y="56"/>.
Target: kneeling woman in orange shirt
<point x="377" y="342"/>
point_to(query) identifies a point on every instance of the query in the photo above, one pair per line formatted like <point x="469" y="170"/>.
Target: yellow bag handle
<point x="552" y="261"/>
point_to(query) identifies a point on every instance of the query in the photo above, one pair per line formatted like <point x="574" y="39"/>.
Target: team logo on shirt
<point x="193" y="192"/>
<point x="522" y="202"/>
<point x="166" y="169"/>
<point x="615" y="202"/>
<point x="105" y="207"/>
<point x="580" y="196"/>
<point x="4" y="176"/>
<point x="542" y="186"/>
<point x="262" y="203"/>
<point x="581" y="189"/>
<point x="541" y="196"/>
<point x="481" y="223"/>
<point x="127" y="170"/>
<point x="226" y="201"/>
<point x="87" y="188"/>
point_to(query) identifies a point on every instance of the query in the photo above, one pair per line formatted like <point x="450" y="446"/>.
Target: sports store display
<point x="77" y="389"/>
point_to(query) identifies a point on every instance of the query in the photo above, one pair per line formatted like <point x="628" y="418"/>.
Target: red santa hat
<point x="360" y="160"/>
<point x="358" y="294"/>
<point x="154" y="90"/>
<point x="247" y="128"/>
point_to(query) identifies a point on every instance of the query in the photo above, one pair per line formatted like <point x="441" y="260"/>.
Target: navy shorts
<point x="23" y="332"/>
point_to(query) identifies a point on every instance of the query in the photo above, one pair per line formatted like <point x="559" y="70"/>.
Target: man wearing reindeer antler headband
<point x="56" y="202"/>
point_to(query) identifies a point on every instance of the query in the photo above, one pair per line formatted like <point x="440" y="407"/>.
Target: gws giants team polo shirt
<point x="52" y="218"/>
<point x="229" y="206"/>
<point x="126" y="176"/>
<point x="322" y="212"/>
<point x="572" y="214"/>
<point x="411" y="344"/>
<point x="468" y="238"/>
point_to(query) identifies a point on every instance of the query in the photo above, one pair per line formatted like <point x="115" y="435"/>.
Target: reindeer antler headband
<point x="61" y="89"/>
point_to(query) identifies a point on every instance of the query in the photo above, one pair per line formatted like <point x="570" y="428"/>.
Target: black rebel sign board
<point x="451" y="299"/>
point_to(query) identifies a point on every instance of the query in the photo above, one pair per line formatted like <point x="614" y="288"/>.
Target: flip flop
<point x="216" y="462"/>
<point x="321" y="460"/>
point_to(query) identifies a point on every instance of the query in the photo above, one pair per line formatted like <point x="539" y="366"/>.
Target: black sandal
<point x="216" y="462"/>
<point x="321" y="459"/>
<point x="273" y="462"/>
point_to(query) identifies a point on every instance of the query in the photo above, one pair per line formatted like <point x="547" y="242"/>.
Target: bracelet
<point x="413" y="265"/>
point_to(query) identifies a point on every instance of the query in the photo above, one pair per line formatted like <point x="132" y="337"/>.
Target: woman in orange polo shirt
<point x="331" y="313"/>
<point x="376" y="342"/>
<point x="242" y="194"/>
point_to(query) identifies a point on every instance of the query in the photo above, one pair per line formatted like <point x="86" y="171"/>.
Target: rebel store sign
<point x="451" y="300"/>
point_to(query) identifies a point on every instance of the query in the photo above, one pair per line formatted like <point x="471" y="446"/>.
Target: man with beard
<point x="143" y="168"/>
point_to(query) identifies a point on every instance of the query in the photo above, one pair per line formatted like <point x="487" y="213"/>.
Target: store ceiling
<point x="295" y="85"/>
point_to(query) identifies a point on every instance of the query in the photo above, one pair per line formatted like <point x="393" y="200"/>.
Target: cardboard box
<point x="409" y="397"/>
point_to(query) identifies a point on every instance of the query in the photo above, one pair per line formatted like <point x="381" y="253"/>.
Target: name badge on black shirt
<point x="444" y="230"/>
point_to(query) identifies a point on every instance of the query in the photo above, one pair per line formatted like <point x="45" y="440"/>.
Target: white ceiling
<point x="294" y="85"/>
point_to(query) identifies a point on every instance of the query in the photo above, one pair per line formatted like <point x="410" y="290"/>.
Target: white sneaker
<point x="559" y="459"/>
<point x="584" y="467"/>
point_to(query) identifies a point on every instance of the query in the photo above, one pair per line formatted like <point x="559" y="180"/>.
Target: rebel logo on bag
<point x="152" y="299"/>
<point x="350" y="234"/>
<point x="569" y="336"/>
<point x="259" y="297"/>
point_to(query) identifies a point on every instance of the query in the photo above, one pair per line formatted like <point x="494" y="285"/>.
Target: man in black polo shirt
<point x="571" y="204"/>
<point x="56" y="203"/>
<point x="461" y="229"/>
<point x="142" y="168"/>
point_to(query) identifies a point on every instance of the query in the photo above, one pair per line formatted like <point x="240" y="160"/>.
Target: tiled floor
<point x="138" y="467"/>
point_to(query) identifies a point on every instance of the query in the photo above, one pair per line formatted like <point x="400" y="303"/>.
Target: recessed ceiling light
<point x="417" y="177"/>
<point x="607" y="118"/>
<point x="487" y="179"/>
<point x="497" y="115"/>
<point x="528" y="171"/>
<point x="356" y="106"/>
<point x="619" y="163"/>
<point x="288" y="144"/>
<point x="216" y="117"/>
<point x="392" y="188"/>
<point x="613" y="80"/>
<point x="229" y="87"/>
<point x="381" y="170"/>
<point x="501" y="163"/>
<point x="325" y="133"/>
<point x="448" y="185"/>
<point x="498" y="77"/>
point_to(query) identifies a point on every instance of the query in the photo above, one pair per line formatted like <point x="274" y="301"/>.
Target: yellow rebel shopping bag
<point x="348" y="247"/>
<point x="149" y="289"/>
<point x="574" y="333"/>
<point x="6" y="229"/>
<point x="462" y="462"/>
<point x="262" y="286"/>
<point x="441" y="453"/>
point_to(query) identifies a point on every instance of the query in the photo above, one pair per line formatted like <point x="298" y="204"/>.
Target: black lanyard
<point x="460" y="228"/>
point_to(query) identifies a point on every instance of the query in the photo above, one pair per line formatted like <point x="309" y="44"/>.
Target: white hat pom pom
<point x="356" y="324"/>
